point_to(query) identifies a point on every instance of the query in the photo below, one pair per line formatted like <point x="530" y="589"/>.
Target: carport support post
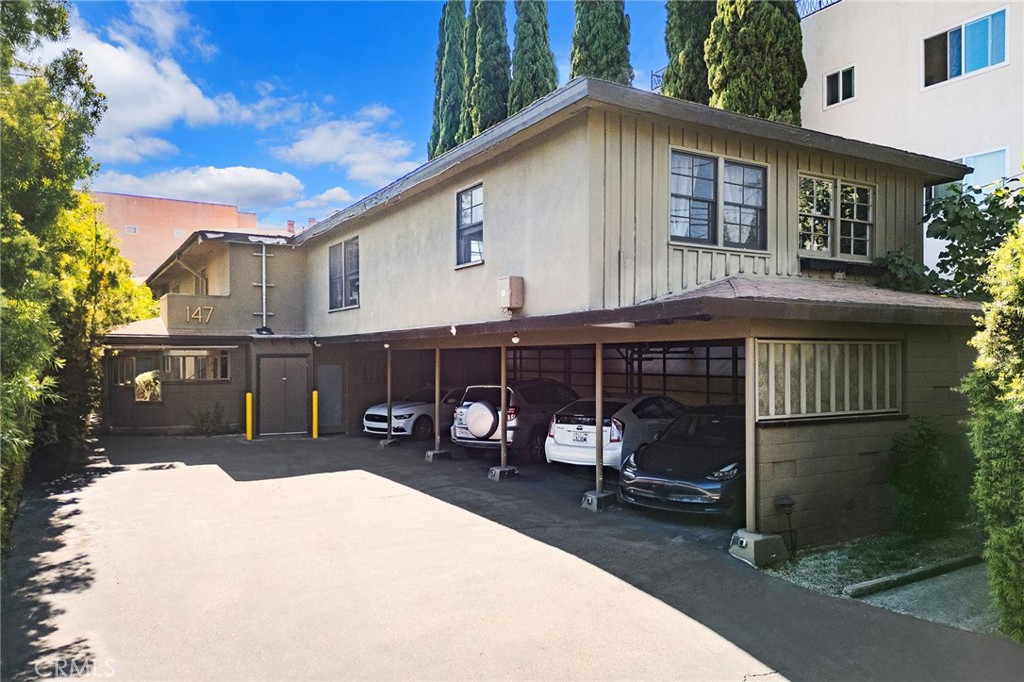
<point x="390" y="440"/>
<point x="750" y="401"/>
<point x="504" y="471"/>
<point x="437" y="452"/>
<point x="598" y="499"/>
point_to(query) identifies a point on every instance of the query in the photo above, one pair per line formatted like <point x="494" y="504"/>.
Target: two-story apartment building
<point x="684" y="250"/>
<point x="939" y="78"/>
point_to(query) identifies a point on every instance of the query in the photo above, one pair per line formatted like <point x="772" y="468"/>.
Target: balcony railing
<point x="806" y="8"/>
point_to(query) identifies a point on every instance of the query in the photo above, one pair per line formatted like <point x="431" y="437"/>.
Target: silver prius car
<point x="629" y="422"/>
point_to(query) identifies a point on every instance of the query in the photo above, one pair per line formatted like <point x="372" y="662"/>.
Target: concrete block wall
<point x="836" y="470"/>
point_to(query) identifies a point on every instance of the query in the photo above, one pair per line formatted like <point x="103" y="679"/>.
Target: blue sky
<point x="288" y="109"/>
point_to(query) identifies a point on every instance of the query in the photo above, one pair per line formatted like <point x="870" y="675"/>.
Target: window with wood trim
<point x="827" y="378"/>
<point x="731" y="213"/>
<point x="196" y="365"/>
<point x="820" y="211"/>
<point x="343" y="275"/>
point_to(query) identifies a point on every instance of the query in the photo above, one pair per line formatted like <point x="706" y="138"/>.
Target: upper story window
<point x="823" y="203"/>
<point x="179" y="234"/>
<point x="700" y="211"/>
<point x="963" y="49"/>
<point x="344" y="274"/>
<point x="131" y="229"/>
<point x="839" y="87"/>
<point x="469" y="232"/>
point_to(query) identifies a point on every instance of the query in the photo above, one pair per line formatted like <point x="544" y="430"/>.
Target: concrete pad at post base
<point x="597" y="501"/>
<point x="501" y="473"/>
<point x="434" y="455"/>
<point x="758" y="549"/>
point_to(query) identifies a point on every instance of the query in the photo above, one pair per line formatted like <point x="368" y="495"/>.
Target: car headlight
<point x="628" y="471"/>
<point x="402" y="417"/>
<point x="725" y="473"/>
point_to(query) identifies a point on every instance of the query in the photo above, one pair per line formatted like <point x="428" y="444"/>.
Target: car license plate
<point x="579" y="438"/>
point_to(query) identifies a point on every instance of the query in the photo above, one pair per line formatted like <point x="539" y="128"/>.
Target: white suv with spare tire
<point x="531" y="402"/>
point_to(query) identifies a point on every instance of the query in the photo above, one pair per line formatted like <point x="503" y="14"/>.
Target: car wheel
<point x="423" y="428"/>
<point x="481" y="419"/>
<point x="533" y="451"/>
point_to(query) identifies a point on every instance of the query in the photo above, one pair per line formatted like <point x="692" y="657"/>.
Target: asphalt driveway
<point x="192" y="558"/>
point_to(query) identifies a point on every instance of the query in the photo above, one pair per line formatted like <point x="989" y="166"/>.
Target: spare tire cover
<point x="481" y="419"/>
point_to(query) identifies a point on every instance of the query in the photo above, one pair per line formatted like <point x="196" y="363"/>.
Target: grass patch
<point x="830" y="570"/>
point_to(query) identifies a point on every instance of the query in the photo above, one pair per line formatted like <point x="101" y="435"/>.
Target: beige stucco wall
<point x="977" y="113"/>
<point x="535" y="226"/>
<point x="837" y="470"/>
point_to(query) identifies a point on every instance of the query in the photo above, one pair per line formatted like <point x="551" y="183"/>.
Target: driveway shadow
<point x="32" y="574"/>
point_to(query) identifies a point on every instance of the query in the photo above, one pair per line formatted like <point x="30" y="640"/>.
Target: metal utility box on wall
<point x="510" y="292"/>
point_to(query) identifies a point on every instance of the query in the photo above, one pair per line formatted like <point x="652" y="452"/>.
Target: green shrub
<point x="931" y="476"/>
<point x="211" y="422"/>
<point x="995" y="389"/>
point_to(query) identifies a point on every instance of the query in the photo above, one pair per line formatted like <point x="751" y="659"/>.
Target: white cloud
<point x="355" y="144"/>
<point x="333" y="197"/>
<point x="251" y="189"/>
<point x="131" y="148"/>
<point x="162" y="24"/>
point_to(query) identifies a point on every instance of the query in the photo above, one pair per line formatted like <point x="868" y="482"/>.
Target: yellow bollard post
<point x="316" y="414"/>
<point x="248" y="416"/>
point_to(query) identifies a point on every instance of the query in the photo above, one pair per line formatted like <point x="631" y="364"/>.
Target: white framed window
<point x="469" y="230"/>
<point x="839" y="86"/>
<point x="965" y="48"/>
<point x="717" y="201"/>
<point x="196" y="365"/>
<point x="811" y="378"/>
<point x="179" y="234"/>
<point x="828" y="202"/>
<point x="131" y="229"/>
<point x="343" y="285"/>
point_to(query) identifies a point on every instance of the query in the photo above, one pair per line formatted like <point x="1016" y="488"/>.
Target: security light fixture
<point x="515" y="337"/>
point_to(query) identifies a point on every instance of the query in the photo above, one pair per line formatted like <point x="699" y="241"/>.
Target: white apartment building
<point x="938" y="78"/>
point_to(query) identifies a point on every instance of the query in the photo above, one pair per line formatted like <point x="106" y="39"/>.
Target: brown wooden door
<point x="283" y="395"/>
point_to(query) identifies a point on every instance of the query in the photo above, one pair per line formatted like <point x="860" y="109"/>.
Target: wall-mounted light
<point x="453" y="330"/>
<point x="515" y="337"/>
<point x="387" y="345"/>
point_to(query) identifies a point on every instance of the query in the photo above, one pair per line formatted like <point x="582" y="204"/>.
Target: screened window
<point x="818" y="217"/>
<point x="822" y="378"/>
<point x="196" y="366"/>
<point x="838" y="87"/>
<point x="965" y="48"/>
<point x="469" y="233"/>
<point x="744" y="221"/>
<point x="344" y="275"/>
<point x="694" y="180"/>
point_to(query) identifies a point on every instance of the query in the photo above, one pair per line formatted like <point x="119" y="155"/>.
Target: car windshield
<point x="706" y="429"/>
<point x="421" y="395"/>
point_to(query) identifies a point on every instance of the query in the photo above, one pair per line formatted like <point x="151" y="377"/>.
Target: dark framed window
<point x="469" y="231"/>
<point x="694" y="184"/>
<point x="343" y="275"/>
<point x="744" y="221"/>
<point x="966" y="48"/>
<point x="196" y="365"/>
<point x="839" y="87"/>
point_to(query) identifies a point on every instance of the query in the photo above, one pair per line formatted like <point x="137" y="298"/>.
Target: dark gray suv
<point x="531" y="402"/>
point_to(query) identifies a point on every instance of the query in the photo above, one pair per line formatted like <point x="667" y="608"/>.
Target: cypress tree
<point x="491" y="80"/>
<point x="435" y="128"/>
<point x="600" y="41"/>
<point x="466" y="130"/>
<point x="686" y="31"/>
<point x="451" y="94"/>
<point x="755" y="59"/>
<point x="533" y="62"/>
